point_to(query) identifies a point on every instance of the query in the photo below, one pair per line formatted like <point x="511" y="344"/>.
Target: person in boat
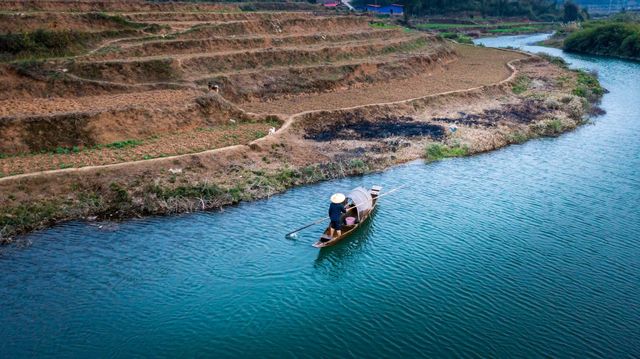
<point x="336" y="209"/>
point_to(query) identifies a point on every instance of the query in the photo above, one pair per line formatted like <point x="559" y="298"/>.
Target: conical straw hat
<point x="338" y="198"/>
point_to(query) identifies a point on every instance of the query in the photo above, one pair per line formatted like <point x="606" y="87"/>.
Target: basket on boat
<point x="350" y="221"/>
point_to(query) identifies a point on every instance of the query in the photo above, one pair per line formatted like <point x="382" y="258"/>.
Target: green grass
<point x="556" y="60"/>
<point x="555" y="126"/>
<point x="588" y="86"/>
<point x="123" y="144"/>
<point x="514" y="29"/>
<point x="457" y="37"/>
<point x="551" y="127"/>
<point x="383" y="25"/>
<point x="28" y="216"/>
<point x="205" y="191"/>
<point x="259" y="134"/>
<point x="436" y="151"/>
<point x="406" y="46"/>
<point x="115" y="19"/>
<point x="504" y="25"/>
<point x="521" y="84"/>
<point x="42" y="44"/>
<point x="517" y="137"/>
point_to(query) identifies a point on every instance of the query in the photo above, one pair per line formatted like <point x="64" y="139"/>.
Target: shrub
<point x="521" y="84"/>
<point x="556" y="60"/>
<point x="43" y="42"/>
<point x="552" y="127"/>
<point x="124" y="144"/>
<point x="436" y="151"/>
<point x="457" y="37"/>
<point x="517" y="137"/>
<point x="612" y="39"/>
<point x="588" y="86"/>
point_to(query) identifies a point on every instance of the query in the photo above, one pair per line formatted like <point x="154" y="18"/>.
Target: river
<point x="529" y="251"/>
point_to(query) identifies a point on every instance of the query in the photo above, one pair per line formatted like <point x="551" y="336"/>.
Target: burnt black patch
<point x="525" y="112"/>
<point x="356" y="127"/>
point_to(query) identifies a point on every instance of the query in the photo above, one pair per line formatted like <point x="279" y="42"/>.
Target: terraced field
<point x="176" y="69"/>
<point x="126" y="108"/>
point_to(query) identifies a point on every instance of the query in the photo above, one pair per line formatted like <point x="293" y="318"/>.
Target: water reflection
<point x="337" y="258"/>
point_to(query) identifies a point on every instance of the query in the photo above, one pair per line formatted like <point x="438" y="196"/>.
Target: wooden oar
<point x="307" y="226"/>
<point x="317" y="221"/>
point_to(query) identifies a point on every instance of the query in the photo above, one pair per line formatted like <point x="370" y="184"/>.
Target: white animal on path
<point x="272" y="131"/>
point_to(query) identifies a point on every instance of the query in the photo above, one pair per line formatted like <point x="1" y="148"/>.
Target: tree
<point x="571" y="12"/>
<point x="410" y="8"/>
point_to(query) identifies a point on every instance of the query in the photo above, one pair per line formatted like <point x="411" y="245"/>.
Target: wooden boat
<point x="362" y="203"/>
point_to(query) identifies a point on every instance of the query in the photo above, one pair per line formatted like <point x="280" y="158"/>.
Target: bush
<point x="43" y="43"/>
<point x="457" y="37"/>
<point x="556" y="60"/>
<point x="521" y="84"/>
<point x="436" y="151"/>
<point x="52" y="43"/>
<point x="551" y="127"/>
<point x="588" y="86"/>
<point x="124" y="144"/>
<point x="611" y="39"/>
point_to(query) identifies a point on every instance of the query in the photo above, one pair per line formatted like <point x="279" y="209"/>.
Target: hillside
<point x="120" y="108"/>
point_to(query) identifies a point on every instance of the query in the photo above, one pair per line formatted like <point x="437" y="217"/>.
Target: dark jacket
<point x="335" y="211"/>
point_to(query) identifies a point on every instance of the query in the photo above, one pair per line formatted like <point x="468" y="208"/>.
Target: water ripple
<point x="529" y="251"/>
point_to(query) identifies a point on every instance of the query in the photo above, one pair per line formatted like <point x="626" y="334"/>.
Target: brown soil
<point x="188" y="17"/>
<point x="24" y="22"/>
<point x="198" y="140"/>
<point x="313" y="25"/>
<point x="487" y="65"/>
<point x="148" y="99"/>
<point x="187" y="108"/>
<point x="86" y="129"/>
<point x="217" y="44"/>
<point x="108" y="5"/>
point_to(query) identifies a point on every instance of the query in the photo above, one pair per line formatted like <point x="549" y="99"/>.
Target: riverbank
<point x="535" y="98"/>
<point x="465" y="30"/>
<point x="218" y="106"/>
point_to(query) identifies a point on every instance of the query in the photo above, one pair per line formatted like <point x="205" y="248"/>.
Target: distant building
<point x="329" y="3"/>
<point x="393" y="9"/>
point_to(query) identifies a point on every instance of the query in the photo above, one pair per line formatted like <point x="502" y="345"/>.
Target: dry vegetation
<point x="173" y="113"/>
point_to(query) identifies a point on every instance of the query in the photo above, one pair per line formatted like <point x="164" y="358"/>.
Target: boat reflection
<point x="335" y="258"/>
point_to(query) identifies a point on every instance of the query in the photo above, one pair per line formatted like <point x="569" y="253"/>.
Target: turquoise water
<point x="529" y="251"/>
